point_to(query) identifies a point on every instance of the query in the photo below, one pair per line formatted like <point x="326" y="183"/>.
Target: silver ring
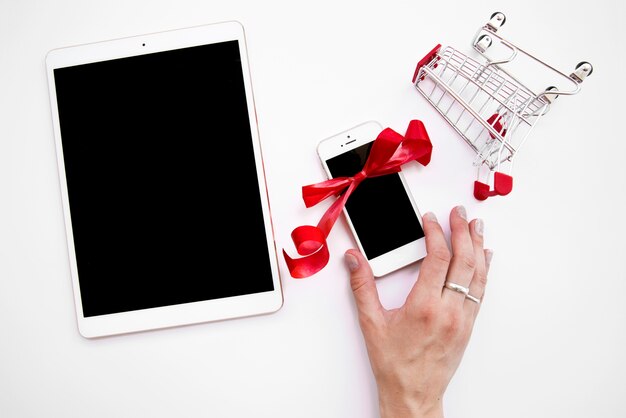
<point x="473" y="298"/>
<point x="456" y="288"/>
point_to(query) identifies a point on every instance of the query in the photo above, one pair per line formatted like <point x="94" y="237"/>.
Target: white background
<point x="550" y="339"/>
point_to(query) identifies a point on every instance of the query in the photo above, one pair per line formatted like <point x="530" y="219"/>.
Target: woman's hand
<point x="416" y="349"/>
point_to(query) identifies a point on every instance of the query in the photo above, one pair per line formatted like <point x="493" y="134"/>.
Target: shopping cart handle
<point x="426" y="60"/>
<point x="502" y="185"/>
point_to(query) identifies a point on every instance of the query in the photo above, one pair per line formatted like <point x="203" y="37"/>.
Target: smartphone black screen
<point x="379" y="207"/>
<point x="158" y="155"/>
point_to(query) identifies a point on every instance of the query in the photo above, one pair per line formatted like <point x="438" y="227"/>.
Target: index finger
<point x="435" y="265"/>
<point x="363" y="287"/>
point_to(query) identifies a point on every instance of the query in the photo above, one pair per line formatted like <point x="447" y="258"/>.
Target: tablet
<point x="162" y="182"/>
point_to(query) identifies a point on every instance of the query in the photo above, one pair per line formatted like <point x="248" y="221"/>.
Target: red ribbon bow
<point x="389" y="152"/>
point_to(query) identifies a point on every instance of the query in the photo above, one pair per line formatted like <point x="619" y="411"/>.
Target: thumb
<point x="363" y="286"/>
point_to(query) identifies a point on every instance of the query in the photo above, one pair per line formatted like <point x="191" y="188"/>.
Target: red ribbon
<point x="389" y="152"/>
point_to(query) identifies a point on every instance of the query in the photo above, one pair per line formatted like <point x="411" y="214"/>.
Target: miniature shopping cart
<point x="491" y="109"/>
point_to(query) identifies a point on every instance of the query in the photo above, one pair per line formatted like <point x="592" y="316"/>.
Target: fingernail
<point x="429" y="216"/>
<point x="460" y="210"/>
<point x="479" y="226"/>
<point x="351" y="262"/>
<point x="488" y="257"/>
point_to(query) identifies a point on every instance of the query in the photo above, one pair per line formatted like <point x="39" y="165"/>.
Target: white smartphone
<point x="381" y="212"/>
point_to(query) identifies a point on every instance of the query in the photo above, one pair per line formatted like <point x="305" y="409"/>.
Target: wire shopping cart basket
<point x="490" y="108"/>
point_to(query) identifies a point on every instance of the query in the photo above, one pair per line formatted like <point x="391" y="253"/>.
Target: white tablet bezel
<point x="189" y="313"/>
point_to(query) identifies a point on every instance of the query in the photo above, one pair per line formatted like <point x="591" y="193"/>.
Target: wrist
<point x="398" y="406"/>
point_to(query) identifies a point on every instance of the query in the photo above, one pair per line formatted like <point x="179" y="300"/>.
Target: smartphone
<point x="383" y="217"/>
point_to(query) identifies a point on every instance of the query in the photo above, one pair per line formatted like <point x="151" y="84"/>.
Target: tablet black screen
<point x="161" y="177"/>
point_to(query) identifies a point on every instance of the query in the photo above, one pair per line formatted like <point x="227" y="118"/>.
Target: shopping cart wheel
<point x="585" y="67"/>
<point x="481" y="190"/>
<point x="502" y="185"/>
<point x="550" y="97"/>
<point x="496" y="121"/>
<point x="497" y="20"/>
<point x="484" y="42"/>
